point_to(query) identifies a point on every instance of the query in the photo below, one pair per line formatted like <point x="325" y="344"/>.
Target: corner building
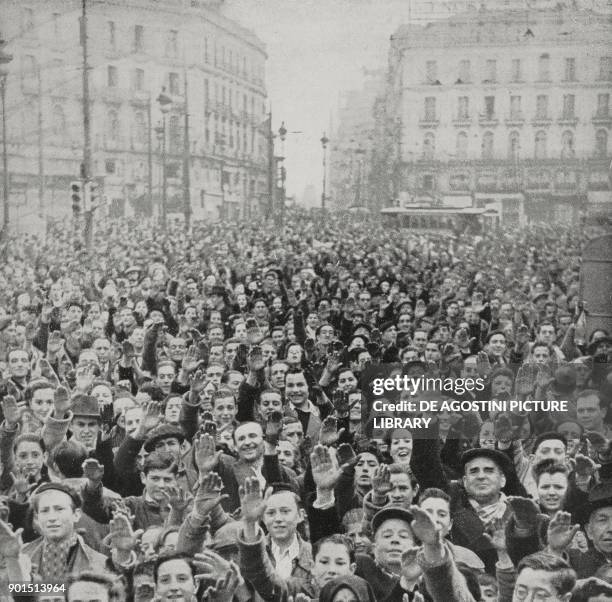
<point x="136" y="49"/>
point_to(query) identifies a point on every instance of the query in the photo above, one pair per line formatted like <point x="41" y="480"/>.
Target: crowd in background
<point x="187" y="416"/>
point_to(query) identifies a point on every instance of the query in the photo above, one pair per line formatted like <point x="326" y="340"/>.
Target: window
<point x="601" y="144"/>
<point x="140" y="128"/>
<point x="56" y="25"/>
<point x="29" y="70"/>
<point x="462" y="145"/>
<point x="110" y="166"/>
<point x="569" y="101"/>
<point x="112" y="35"/>
<point x="111" y="76"/>
<point x="603" y="105"/>
<point x="427" y="182"/>
<point x="59" y="122"/>
<point x="463" y="108"/>
<point x="487" y="145"/>
<point x="138" y="38"/>
<point x="540" y="145"/>
<point x="517" y="70"/>
<point x="431" y="71"/>
<point x="429" y="146"/>
<point x="430" y="108"/>
<point x="489" y="107"/>
<point x="172" y="44"/>
<point x="570" y="70"/>
<point x="174" y="134"/>
<point x="173" y="84"/>
<point x="544" y="68"/>
<point x="605" y="68"/>
<point x="112" y="125"/>
<point x="514" y="146"/>
<point x="139" y="78"/>
<point x="491" y="71"/>
<point x="206" y="55"/>
<point x="542" y="106"/>
<point x="567" y="145"/>
<point x="206" y="91"/>
<point x="465" y="69"/>
<point x="515" y="107"/>
<point x="28" y="19"/>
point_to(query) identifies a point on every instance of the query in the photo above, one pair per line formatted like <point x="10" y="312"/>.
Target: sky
<point x="316" y="50"/>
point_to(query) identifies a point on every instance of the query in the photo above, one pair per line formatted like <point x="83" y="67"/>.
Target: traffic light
<point x="77" y="197"/>
<point x="92" y="194"/>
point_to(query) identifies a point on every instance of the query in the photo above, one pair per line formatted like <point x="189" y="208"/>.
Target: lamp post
<point x="324" y="143"/>
<point x="165" y="104"/>
<point x="282" y="134"/>
<point x="5" y="59"/>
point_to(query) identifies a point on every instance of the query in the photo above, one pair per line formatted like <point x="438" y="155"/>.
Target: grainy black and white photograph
<point x="306" y="301"/>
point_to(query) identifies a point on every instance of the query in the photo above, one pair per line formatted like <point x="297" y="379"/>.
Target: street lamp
<point x="165" y="104"/>
<point x="5" y="59"/>
<point x="324" y="143"/>
<point x="282" y="134"/>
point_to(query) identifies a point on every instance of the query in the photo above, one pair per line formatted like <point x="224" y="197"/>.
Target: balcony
<point x="568" y="119"/>
<point x="488" y="119"/>
<point x="429" y="122"/>
<point x="515" y="119"/>
<point x="604" y="119"/>
<point x="462" y="121"/>
<point x="542" y="120"/>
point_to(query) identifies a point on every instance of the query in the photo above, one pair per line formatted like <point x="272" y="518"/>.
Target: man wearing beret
<point x="477" y="501"/>
<point x="60" y="551"/>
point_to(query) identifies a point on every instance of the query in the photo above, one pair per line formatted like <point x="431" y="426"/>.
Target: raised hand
<point x="526" y="379"/>
<point x="328" y="433"/>
<point x="128" y="352"/>
<point x="584" y="466"/>
<point x="598" y="441"/>
<point x="176" y="499"/>
<point x="561" y="532"/>
<point x="525" y="512"/>
<point x="273" y="427"/>
<point x="191" y="360"/>
<point x="252" y="503"/>
<point x="151" y="418"/>
<point x="61" y="402"/>
<point x="325" y="470"/>
<point x="22" y="484"/>
<point x="410" y="569"/>
<point x="55" y="343"/>
<point x="198" y="382"/>
<point x="255" y="359"/>
<point x="496" y="534"/>
<point x="84" y="378"/>
<point x="333" y="362"/>
<point x="122" y="537"/>
<point x="12" y="412"/>
<point x="341" y="404"/>
<point x="505" y="431"/>
<point x="93" y="471"/>
<point x="10" y="541"/>
<point x="424" y="527"/>
<point x="224" y="588"/>
<point x="381" y="481"/>
<point x="205" y="455"/>
<point x="483" y="365"/>
<point x="208" y="494"/>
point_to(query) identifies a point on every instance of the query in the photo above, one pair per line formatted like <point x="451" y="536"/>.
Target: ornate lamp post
<point x="5" y="59"/>
<point x="324" y="143"/>
<point x="165" y="104"/>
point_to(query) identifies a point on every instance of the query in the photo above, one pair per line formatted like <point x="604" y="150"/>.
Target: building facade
<point x="510" y="108"/>
<point x="352" y="143"/>
<point x="208" y="65"/>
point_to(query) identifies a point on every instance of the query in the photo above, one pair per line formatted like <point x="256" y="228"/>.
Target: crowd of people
<point x="187" y="416"/>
